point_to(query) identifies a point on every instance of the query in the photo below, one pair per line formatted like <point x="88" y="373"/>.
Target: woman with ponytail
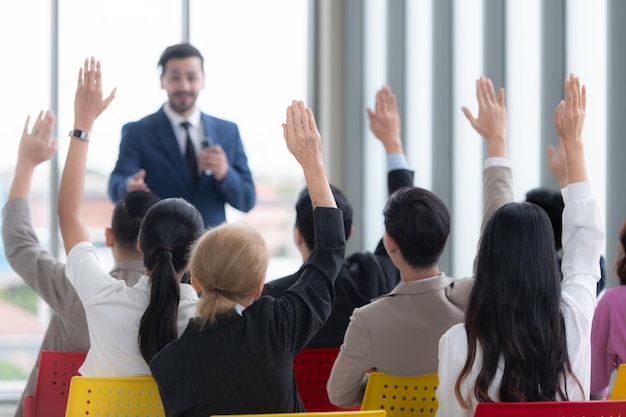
<point x="608" y="332"/>
<point x="236" y="356"/>
<point x="127" y="326"/>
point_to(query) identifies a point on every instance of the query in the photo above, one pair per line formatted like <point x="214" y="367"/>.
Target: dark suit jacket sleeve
<point x="396" y="179"/>
<point x="238" y="188"/>
<point x="128" y="163"/>
<point x="305" y="307"/>
<point x="399" y="178"/>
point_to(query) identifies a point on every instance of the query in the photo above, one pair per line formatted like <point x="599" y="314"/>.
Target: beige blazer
<point x="399" y="333"/>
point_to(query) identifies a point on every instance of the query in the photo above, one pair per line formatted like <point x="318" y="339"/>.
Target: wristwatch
<point x="80" y="134"/>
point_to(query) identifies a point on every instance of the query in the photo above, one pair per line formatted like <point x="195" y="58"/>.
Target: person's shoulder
<point x="375" y="308"/>
<point x="146" y="121"/>
<point x="277" y="287"/>
<point x="614" y="295"/>
<point x="207" y="118"/>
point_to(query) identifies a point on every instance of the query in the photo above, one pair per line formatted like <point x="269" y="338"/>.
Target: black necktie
<point x="190" y="155"/>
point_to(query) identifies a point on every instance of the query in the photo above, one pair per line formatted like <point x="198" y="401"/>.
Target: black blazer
<point x="363" y="277"/>
<point x="243" y="364"/>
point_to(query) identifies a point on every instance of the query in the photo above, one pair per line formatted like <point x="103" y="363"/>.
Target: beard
<point x="182" y="102"/>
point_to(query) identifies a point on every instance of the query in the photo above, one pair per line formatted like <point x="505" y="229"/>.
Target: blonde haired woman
<point x="236" y="356"/>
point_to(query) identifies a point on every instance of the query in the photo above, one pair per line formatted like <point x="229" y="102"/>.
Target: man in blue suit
<point x="181" y="152"/>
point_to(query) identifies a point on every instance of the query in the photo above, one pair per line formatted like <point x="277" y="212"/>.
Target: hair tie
<point x="163" y="251"/>
<point x="218" y="290"/>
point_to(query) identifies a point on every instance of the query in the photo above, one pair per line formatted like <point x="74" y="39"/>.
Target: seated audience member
<point x="236" y="356"/>
<point x="398" y="333"/>
<point x="526" y="335"/>
<point x="363" y="276"/>
<point x="552" y="202"/>
<point x="127" y="325"/>
<point x="67" y="330"/>
<point x="608" y="331"/>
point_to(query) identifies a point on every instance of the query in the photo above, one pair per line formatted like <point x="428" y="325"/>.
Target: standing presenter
<point x="180" y="151"/>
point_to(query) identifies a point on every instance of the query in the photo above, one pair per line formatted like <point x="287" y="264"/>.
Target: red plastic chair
<point x="553" y="409"/>
<point x="312" y="367"/>
<point x="56" y="370"/>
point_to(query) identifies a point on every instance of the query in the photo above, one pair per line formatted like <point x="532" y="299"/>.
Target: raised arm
<point x="491" y="124"/>
<point x="385" y="121"/>
<point x="385" y="125"/>
<point x="304" y="142"/>
<point x="88" y="104"/>
<point x="569" y="119"/>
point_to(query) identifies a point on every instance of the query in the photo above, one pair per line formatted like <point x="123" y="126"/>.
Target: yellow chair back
<point x="401" y="396"/>
<point x="619" y="385"/>
<point x="114" y="396"/>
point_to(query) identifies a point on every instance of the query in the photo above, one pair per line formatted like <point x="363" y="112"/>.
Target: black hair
<point x="514" y="310"/>
<point x="304" y="214"/>
<point x="127" y="216"/>
<point x="168" y="231"/>
<point x="552" y="202"/>
<point x="419" y="223"/>
<point x="181" y="50"/>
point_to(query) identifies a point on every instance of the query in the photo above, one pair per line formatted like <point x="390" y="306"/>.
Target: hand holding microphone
<point x="213" y="159"/>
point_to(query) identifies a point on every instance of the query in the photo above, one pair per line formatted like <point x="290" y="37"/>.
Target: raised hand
<point x="569" y="120"/>
<point x="37" y="146"/>
<point x="569" y="117"/>
<point x="301" y="135"/>
<point x="492" y="118"/>
<point x="557" y="163"/>
<point x="305" y="144"/>
<point x="385" y="120"/>
<point x="88" y="101"/>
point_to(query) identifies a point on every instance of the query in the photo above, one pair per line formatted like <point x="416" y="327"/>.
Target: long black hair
<point x="167" y="233"/>
<point x="514" y="314"/>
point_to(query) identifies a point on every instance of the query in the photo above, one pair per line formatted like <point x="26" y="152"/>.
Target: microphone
<point x="207" y="142"/>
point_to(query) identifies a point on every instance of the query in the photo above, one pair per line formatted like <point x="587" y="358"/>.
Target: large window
<point x="256" y="63"/>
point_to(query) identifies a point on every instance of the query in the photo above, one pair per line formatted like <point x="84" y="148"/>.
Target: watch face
<point x="81" y="134"/>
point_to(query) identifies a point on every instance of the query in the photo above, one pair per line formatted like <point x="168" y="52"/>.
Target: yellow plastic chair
<point x="401" y="396"/>
<point x="373" y="413"/>
<point x="114" y="397"/>
<point x="619" y="385"/>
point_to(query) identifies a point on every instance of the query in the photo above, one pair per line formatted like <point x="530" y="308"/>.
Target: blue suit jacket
<point x="150" y="143"/>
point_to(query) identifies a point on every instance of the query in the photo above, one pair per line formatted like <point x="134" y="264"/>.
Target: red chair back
<point x="56" y="370"/>
<point x="312" y="367"/>
<point x="553" y="409"/>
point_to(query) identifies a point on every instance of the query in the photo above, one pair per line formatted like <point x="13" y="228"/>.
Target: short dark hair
<point x="552" y="203"/>
<point x="127" y="216"/>
<point x="304" y="214"/>
<point x="419" y="223"/>
<point x="181" y="50"/>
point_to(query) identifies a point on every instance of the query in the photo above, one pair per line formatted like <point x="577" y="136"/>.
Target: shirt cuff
<point x="497" y="161"/>
<point x="576" y="191"/>
<point x="396" y="161"/>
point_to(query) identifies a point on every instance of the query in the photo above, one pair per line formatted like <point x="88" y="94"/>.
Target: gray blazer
<point x="45" y="274"/>
<point x="399" y="333"/>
